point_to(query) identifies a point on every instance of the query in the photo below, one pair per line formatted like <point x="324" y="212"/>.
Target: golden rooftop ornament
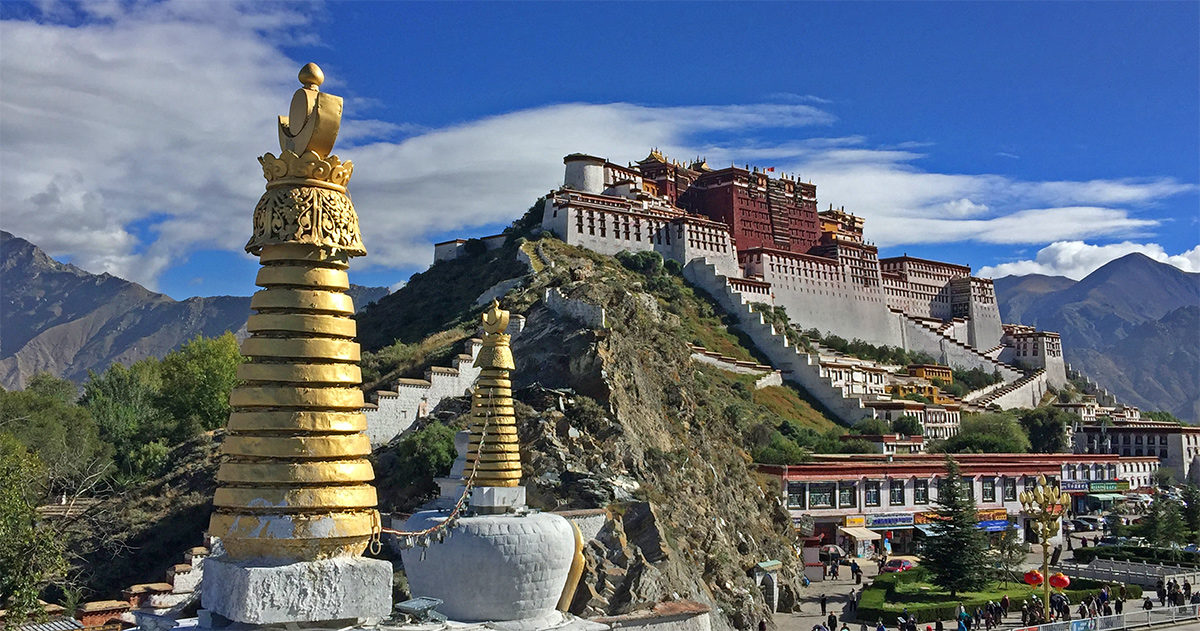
<point x="295" y="484"/>
<point x="498" y="463"/>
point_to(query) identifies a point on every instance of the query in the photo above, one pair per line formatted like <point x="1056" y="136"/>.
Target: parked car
<point x="1096" y="521"/>
<point x="1078" y="525"/>
<point x="897" y="565"/>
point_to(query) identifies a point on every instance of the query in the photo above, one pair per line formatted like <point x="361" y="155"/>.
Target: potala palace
<point x="748" y="238"/>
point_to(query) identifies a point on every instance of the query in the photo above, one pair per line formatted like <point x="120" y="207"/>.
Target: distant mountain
<point x="1130" y="325"/>
<point x="58" y="318"/>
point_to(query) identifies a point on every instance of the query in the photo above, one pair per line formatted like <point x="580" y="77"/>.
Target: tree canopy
<point x="31" y="556"/>
<point x="991" y="432"/>
<point x="955" y="555"/>
<point x="1046" y="428"/>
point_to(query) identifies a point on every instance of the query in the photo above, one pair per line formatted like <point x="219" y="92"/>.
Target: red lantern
<point x="1033" y="577"/>
<point x="1059" y="581"/>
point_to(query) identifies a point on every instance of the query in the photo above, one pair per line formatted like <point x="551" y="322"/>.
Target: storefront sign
<point x="889" y="520"/>
<point x="1074" y="486"/>
<point x="855" y="521"/>
<point x="992" y="514"/>
<point x="994" y="525"/>
<point x="1109" y="486"/>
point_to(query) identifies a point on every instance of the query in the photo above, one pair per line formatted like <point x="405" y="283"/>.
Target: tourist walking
<point x="832" y="621"/>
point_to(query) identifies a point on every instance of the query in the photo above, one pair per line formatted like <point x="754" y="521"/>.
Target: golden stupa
<point x="498" y="463"/>
<point x="295" y="484"/>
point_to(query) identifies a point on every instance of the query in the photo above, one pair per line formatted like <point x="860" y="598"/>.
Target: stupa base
<point x="248" y="592"/>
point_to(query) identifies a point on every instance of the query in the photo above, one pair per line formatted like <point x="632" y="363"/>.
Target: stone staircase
<point x="965" y="353"/>
<point x="1034" y="381"/>
<point x="797" y="366"/>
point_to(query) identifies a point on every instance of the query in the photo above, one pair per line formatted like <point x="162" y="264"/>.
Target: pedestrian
<point x="937" y="626"/>
<point x="1119" y="606"/>
<point x="823" y="604"/>
<point x="1124" y="592"/>
<point x="825" y="569"/>
<point x="1024" y="614"/>
<point x="832" y="621"/>
<point x="1147" y="604"/>
<point x="762" y="625"/>
<point x="1187" y="589"/>
<point x="1108" y="611"/>
<point x="858" y="574"/>
<point x="1004" y="603"/>
<point x="879" y="626"/>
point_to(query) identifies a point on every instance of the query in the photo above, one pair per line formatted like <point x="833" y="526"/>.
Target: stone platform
<point x="348" y="589"/>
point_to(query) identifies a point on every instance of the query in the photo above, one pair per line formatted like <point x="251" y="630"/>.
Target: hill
<point x="1127" y="325"/>
<point x="58" y="318"/>
<point x="644" y="431"/>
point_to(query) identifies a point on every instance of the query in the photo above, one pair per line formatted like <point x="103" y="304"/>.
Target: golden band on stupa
<point x="295" y="483"/>
<point x="499" y="461"/>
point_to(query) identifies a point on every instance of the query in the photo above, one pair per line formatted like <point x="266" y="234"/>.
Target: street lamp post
<point x="1044" y="505"/>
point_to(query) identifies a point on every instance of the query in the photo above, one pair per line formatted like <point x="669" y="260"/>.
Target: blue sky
<point x="1014" y="137"/>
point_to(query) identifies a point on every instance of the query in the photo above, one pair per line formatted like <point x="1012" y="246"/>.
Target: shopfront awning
<point x="1107" y="497"/>
<point x="861" y="534"/>
<point x="927" y="530"/>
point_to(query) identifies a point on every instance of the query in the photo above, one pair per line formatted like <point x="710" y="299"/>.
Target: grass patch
<point x="410" y="360"/>
<point x="890" y="594"/>
<point x="787" y="402"/>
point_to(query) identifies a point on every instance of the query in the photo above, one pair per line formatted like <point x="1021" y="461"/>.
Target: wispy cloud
<point x="1076" y="259"/>
<point x="152" y="115"/>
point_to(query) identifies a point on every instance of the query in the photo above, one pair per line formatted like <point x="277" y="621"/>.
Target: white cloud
<point x="1076" y="259"/>
<point x="146" y="120"/>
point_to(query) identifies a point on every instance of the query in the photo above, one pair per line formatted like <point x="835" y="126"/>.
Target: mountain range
<point x="1133" y="326"/>
<point x="58" y="318"/>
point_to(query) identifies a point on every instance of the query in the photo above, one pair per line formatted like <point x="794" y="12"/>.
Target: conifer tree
<point x="956" y="553"/>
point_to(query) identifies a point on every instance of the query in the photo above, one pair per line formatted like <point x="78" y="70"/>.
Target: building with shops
<point x="868" y="502"/>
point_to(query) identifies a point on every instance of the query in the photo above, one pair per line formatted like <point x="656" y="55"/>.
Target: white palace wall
<point x="397" y="409"/>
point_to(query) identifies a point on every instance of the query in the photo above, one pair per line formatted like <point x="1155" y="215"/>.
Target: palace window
<point x="872" y="494"/>
<point x="1010" y="489"/>
<point x="920" y="491"/>
<point x="897" y="493"/>
<point x="989" y="489"/>
<point x="820" y="495"/>
<point x="846" y="496"/>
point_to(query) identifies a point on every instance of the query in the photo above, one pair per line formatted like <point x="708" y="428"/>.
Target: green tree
<point x="1163" y="524"/>
<point x="1191" y="508"/>
<point x="780" y="450"/>
<point x="991" y="432"/>
<point x="872" y="427"/>
<point x="955" y="554"/>
<point x="196" y="382"/>
<point x="60" y="433"/>
<point x="1163" y="477"/>
<point x="51" y="387"/>
<point x="31" y="555"/>
<point x="1161" y="416"/>
<point x="1008" y="555"/>
<point x="125" y="405"/>
<point x="405" y="469"/>
<point x="908" y="425"/>
<point x="1046" y="428"/>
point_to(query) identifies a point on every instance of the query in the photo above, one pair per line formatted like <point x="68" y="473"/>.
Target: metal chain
<point x="409" y="538"/>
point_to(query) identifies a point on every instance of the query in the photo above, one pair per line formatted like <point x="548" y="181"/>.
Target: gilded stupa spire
<point x="493" y="423"/>
<point x="295" y="483"/>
